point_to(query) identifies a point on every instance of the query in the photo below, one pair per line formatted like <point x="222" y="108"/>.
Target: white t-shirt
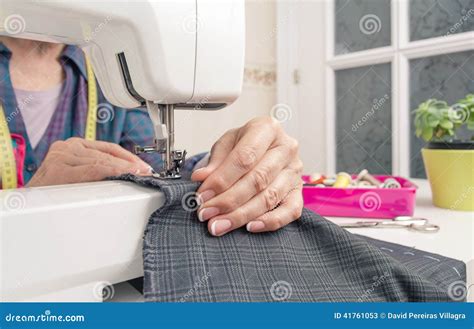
<point x="37" y="109"/>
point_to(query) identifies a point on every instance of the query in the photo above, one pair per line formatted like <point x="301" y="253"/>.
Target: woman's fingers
<point x="248" y="186"/>
<point x="94" y="172"/>
<point x="77" y="160"/>
<point x="114" y="150"/>
<point x="248" y="151"/>
<point x="86" y="156"/>
<point x="263" y="202"/>
<point x="91" y="156"/>
<point x="251" y="171"/>
<point x="219" y="151"/>
<point x="288" y="211"/>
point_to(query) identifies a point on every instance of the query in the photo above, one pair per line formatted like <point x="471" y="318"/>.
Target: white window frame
<point x="399" y="53"/>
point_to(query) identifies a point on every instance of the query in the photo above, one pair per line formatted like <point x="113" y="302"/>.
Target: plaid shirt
<point x="125" y="127"/>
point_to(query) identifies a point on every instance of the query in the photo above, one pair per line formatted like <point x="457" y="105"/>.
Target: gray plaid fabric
<point x="309" y="260"/>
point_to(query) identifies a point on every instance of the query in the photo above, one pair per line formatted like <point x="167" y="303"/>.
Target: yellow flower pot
<point x="451" y="176"/>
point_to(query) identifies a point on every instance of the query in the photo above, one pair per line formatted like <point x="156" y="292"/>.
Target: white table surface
<point x="455" y="239"/>
<point x="62" y="243"/>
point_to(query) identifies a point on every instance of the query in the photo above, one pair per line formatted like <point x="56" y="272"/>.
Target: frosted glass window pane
<point x="434" y="18"/>
<point x="363" y="119"/>
<point x="361" y="24"/>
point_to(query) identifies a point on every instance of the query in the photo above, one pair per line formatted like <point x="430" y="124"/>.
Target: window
<point x="383" y="59"/>
<point x="363" y="119"/>
<point x="358" y="25"/>
<point x="435" y="18"/>
<point x="448" y="77"/>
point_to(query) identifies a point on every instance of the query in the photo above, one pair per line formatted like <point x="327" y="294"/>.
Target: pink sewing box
<point x="361" y="202"/>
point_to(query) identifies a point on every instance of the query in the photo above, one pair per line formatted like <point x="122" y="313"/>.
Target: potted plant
<point x="449" y="161"/>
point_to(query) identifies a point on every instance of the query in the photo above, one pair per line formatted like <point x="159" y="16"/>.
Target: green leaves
<point x="446" y="124"/>
<point x="427" y="133"/>
<point x="436" y="120"/>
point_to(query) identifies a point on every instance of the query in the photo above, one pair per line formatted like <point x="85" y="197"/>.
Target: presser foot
<point x="167" y="175"/>
<point x="172" y="171"/>
<point x="171" y="164"/>
<point x="173" y="161"/>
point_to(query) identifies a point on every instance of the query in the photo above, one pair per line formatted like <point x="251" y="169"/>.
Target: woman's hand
<point x="77" y="160"/>
<point x="253" y="178"/>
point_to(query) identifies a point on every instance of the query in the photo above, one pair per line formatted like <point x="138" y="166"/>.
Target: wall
<point x="197" y="131"/>
<point x="302" y="28"/>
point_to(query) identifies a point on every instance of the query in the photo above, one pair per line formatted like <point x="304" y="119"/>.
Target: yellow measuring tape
<point x="7" y="158"/>
<point x="8" y="172"/>
<point x="91" y="103"/>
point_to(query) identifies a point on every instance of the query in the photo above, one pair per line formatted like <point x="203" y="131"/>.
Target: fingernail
<point x="207" y="195"/>
<point x="198" y="170"/>
<point x="151" y="171"/>
<point x="255" y="226"/>
<point x="220" y="226"/>
<point x="207" y="213"/>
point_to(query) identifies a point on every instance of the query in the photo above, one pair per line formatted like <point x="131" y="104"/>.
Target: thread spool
<point x="365" y="176"/>
<point x="365" y="184"/>
<point x="342" y="180"/>
<point x="391" y="183"/>
<point x="316" y="178"/>
<point x="329" y="181"/>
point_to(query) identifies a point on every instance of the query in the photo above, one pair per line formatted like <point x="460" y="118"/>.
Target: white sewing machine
<point x="162" y="55"/>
